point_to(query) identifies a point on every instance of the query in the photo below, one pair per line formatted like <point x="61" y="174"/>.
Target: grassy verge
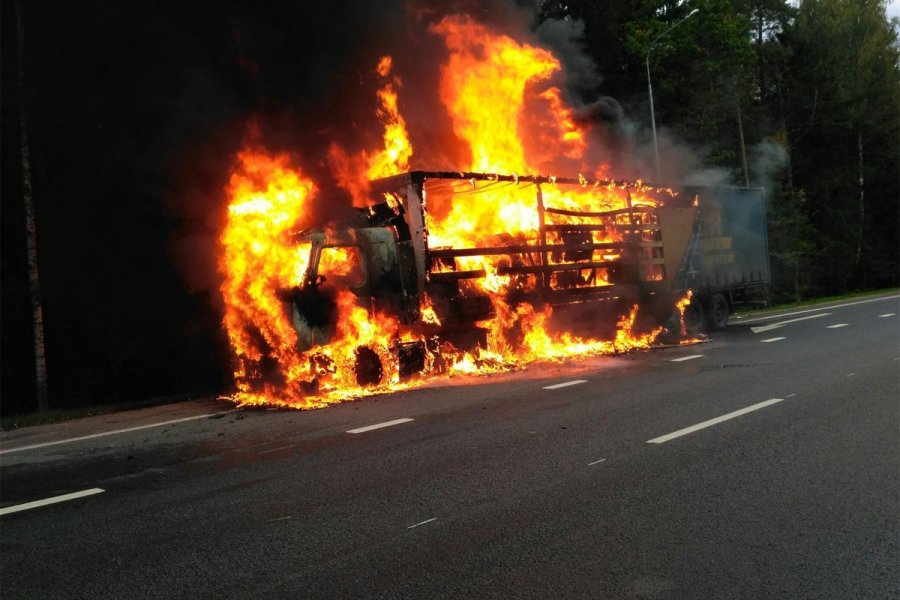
<point x="57" y="416"/>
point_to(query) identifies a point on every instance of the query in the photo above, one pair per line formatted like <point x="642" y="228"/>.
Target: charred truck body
<point x="591" y="266"/>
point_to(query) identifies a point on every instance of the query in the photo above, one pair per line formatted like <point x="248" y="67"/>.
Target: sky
<point x="893" y="9"/>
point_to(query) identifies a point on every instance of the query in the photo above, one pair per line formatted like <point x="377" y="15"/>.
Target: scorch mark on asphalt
<point x="566" y="384"/>
<point x="379" y="425"/>
<point x="53" y="500"/>
<point x="677" y="434"/>
<point x="691" y="357"/>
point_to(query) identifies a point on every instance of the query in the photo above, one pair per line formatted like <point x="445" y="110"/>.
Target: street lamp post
<point x="650" y="89"/>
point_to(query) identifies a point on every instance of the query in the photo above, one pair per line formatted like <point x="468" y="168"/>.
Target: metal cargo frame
<point x="640" y="251"/>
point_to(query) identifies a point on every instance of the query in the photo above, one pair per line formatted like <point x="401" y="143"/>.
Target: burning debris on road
<point x="442" y="272"/>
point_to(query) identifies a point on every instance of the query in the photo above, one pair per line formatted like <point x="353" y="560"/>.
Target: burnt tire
<point x="694" y="319"/>
<point x="368" y="367"/>
<point x="718" y="312"/>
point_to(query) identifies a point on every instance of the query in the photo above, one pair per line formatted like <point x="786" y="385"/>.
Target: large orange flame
<point x="483" y="85"/>
<point x="394" y="157"/>
<point x="391" y="159"/>
<point x="268" y="200"/>
<point x="501" y="103"/>
<point x="261" y="262"/>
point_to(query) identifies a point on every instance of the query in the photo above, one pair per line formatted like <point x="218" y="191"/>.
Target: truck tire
<point x="368" y="368"/>
<point x="694" y="319"/>
<point x="718" y="312"/>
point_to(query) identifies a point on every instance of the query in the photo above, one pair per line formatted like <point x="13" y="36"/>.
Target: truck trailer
<point x="717" y="247"/>
<point x="591" y="266"/>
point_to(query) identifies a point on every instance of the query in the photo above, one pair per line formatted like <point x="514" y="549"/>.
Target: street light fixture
<point x="650" y="89"/>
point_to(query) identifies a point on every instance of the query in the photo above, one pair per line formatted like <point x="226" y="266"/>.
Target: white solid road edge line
<point x="117" y="431"/>
<point x="566" y="384"/>
<point x="379" y="425"/>
<point x="826" y="307"/>
<point x="691" y="357"/>
<point x="705" y="424"/>
<point x="46" y="501"/>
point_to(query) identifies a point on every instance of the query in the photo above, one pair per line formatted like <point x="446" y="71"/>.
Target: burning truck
<point x="587" y="268"/>
<point x="584" y="267"/>
<point x="434" y="273"/>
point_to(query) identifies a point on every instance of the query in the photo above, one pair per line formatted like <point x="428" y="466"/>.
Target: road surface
<point x="761" y="464"/>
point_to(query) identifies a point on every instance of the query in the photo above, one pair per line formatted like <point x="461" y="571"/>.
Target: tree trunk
<point x="779" y="90"/>
<point x="744" y="170"/>
<point x="860" y="267"/>
<point x="760" y="65"/>
<point x="34" y="284"/>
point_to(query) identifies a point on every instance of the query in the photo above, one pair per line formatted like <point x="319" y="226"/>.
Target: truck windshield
<point x="341" y="266"/>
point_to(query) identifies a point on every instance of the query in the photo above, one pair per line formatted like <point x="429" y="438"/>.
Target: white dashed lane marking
<point x="885" y="315"/>
<point x="677" y="434"/>
<point x="838" y="325"/>
<point x="777" y="339"/>
<point x="423" y="522"/>
<point x="53" y="500"/>
<point x="596" y="462"/>
<point x="566" y="384"/>
<point x="764" y="328"/>
<point x="691" y="357"/>
<point x="379" y="425"/>
<point x="279" y="519"/>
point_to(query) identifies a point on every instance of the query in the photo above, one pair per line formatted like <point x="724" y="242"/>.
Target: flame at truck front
<point x="260" y="262"/>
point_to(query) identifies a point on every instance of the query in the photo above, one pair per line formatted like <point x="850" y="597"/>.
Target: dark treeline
<point x="133" y="112"/>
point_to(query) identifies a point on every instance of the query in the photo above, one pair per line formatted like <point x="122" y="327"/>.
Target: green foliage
<point x="844" y="120"/>
<point x="791" y="247"/>
<point x="818" y="79"/>
<point x="700" y="69"/>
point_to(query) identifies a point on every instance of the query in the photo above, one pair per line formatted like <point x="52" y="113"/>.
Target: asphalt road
<point x="761" y="464"/>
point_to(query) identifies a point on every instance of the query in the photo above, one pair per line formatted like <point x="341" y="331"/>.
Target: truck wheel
<point x="693" y="318"/>
<point x="718" y="312"/>
<point x="368" y="367"/>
